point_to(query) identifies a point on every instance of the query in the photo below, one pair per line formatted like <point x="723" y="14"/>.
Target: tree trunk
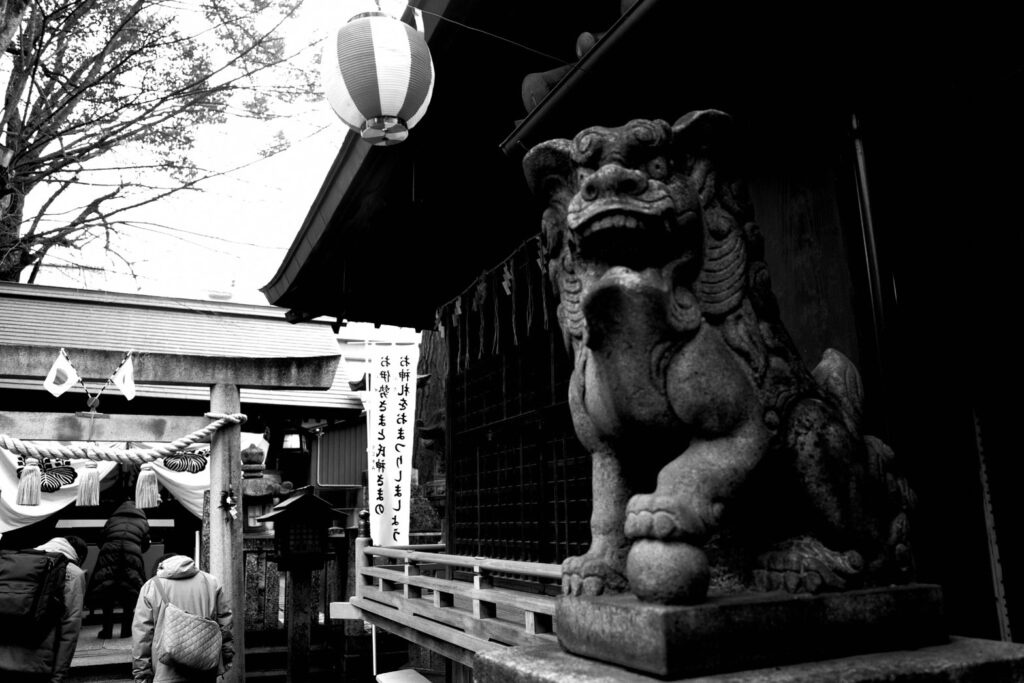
<point x="14" y="257"/>
<point x="11" y="14"/>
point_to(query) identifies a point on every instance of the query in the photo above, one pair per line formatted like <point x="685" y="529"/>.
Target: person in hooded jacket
<point x="50" y="659"/>
<point x="192" y="590"/>
<point x="120" y="570"/>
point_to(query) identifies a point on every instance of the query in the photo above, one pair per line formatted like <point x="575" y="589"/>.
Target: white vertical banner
<point x="391" y="433"/>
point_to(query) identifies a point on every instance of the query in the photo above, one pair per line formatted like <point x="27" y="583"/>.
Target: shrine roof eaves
<point x="175" y="341"/>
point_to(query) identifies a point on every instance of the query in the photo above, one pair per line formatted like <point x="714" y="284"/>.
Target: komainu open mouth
<point x="636" y="240"/>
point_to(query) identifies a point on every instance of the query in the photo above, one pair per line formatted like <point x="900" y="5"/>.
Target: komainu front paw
<point x="663" y="518"/>
<point x="804" y="565"/>
<point x="592" y="574"/>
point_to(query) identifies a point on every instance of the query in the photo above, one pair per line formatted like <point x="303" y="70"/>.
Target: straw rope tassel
<point x="480" y="298"/>
<point x="545" y="283"/>
<point x="530" y="303"/>
<point x="28" y="486"/>
<point x="496" y="328"/>
<point x="89" y="485"/>
<point x="465" y="343"/>
<point x="147" y="490"/>
<point x="512" y="293"/>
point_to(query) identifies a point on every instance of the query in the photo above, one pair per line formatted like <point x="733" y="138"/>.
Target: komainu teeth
<point x="617" y="220"/>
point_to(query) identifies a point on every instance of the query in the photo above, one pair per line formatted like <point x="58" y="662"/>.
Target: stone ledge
<point x="748" y="631"/>
<point x="961" y="660"/>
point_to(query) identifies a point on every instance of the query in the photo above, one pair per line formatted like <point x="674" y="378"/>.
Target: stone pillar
<point x="226" y="561"/>
<point x="299" y="622"/>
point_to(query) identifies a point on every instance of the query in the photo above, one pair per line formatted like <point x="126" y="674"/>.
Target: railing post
<point x="442" y="599"/>
<point x="411" y="569"/>
<point x="483" y="609"/>
<point x="361" y="559"/>
<point x="536" y="622"/>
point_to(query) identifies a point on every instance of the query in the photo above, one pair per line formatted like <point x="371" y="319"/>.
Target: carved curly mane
<point x="735" y="294"/>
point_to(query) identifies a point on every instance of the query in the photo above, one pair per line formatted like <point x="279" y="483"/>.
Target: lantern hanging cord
<point x="135" y="456"/>
<point x="494" y="35"/>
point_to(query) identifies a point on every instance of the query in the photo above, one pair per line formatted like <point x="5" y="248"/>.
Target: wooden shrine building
<point x="881" y="151"/>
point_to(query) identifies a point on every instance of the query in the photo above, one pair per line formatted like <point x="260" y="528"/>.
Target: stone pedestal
<point x="749" y="631"/>
<point x="961" y="660"/>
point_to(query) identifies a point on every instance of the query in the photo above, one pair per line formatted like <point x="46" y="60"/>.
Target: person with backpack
<point x="42" y="652"/>
<point x="180" y="600"/>
<point x="120" y="570"/>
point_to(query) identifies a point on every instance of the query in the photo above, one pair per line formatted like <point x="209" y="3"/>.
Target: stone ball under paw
<point x="669" y="573"/>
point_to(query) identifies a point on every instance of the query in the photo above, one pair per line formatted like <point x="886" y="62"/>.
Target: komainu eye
<point x="657" y="168"/>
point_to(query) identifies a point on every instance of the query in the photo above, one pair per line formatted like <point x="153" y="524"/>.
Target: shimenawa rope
<point x="136" y="456"/>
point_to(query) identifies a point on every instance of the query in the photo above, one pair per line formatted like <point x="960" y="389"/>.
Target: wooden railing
<point x="410" y="591"/>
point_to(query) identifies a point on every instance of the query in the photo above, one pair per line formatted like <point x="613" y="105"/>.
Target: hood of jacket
<point x="128" y="509"/>
<point x="177" y="567"/>
<point x="59" y="545"/>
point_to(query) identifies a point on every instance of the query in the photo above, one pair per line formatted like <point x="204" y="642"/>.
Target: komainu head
<point x="648" y="196"/>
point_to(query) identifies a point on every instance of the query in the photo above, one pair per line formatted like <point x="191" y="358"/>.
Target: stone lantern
<point x="300" y="542"/>
<point x="300" y="529"/>
<point x="258" y="490"/>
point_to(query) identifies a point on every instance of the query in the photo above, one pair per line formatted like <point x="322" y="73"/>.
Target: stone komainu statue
<point x="717" y="457"/>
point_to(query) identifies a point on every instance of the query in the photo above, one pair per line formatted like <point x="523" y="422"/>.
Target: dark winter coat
<point x="120" y="571"/>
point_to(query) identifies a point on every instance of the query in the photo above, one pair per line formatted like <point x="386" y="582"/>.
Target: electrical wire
<point x="494" y="35"/>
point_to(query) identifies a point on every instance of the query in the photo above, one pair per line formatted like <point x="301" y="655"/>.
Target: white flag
<point x="124" y="378"/>
<point x="62" y="375"/>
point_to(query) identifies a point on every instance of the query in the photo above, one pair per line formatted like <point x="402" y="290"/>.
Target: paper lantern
<point x="378" y="76"/>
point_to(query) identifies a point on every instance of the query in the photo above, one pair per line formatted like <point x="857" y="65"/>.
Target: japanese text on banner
<point x="391" y="433"/>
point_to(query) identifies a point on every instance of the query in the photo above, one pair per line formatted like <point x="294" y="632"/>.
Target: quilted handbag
<point x="187" y="641"/>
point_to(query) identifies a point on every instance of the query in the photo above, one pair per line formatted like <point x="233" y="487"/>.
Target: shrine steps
<point x="269" y="664"/>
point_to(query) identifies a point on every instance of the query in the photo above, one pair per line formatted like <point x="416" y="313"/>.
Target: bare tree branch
<point x="88" y="77"/>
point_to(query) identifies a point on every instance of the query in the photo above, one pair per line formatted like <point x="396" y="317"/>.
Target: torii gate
<point x="224" y="375"/>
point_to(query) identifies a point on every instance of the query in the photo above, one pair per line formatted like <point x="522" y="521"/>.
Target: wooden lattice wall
<point x="519" y="481"/>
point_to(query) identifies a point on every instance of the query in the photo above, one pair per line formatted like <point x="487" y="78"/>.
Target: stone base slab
<point x="749" y="631"/>
<point x="961" y="660"/>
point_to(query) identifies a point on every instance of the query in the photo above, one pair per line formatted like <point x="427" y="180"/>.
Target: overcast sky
<point x="234" y="235"/>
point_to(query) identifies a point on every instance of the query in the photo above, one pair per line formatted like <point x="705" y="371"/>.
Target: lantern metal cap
<point x="302" y="503"/>
<point x="384" y="130"/>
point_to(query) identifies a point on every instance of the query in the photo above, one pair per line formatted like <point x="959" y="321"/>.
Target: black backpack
<point x="31" y="590"/>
